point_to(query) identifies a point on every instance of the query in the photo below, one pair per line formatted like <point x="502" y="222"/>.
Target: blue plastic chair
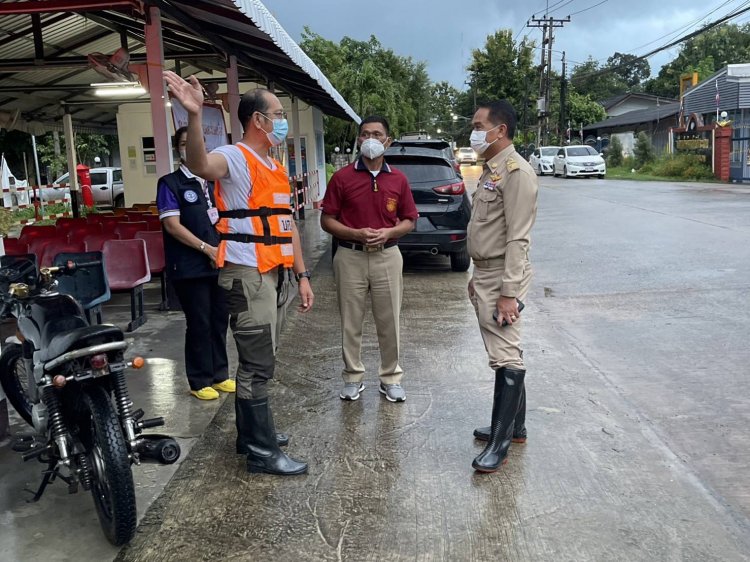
<point x="89" y="286"/>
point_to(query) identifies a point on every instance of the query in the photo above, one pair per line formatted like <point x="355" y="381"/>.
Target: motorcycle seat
<point x="80" y="337"/>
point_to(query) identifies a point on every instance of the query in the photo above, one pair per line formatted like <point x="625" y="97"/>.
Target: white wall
<point x="140" y="177"/>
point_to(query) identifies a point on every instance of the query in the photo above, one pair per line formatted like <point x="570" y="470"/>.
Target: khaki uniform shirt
<point x="504" y="210"/>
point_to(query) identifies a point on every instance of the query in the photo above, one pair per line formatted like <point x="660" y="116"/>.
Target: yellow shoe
<point x="225" y="386"/>
<point x="206" y="393"/>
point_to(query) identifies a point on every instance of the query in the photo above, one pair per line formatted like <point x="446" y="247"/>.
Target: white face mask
<point x="183" y="154"/>
<point x="478" y="141"/>
<point x="372" y="148"/>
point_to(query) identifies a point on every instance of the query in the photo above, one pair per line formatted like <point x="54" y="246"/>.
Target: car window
<point x="419" y="171"/>
<point x="561" y="152"/>
<point x="116" y="175"/>
<point x="62" y="179"/>
<point x="98" y="178"/>
<point x="581" y="151"/>
<point x="548" y="152"/>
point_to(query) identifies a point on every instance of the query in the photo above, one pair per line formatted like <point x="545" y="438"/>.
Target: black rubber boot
<point x="507" y="396"/>
<point x="282" y="439"/>
<point x="519" y="426"/>
<point x="263" y="453"/>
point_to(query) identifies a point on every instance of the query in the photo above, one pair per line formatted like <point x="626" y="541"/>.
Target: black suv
<point x="443" y="204"/>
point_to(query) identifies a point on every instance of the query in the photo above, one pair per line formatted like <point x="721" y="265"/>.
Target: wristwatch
<point x="305" y="273"/>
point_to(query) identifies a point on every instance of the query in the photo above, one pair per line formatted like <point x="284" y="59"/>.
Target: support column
<point x="299" y="184"/>
<point x="158" y="92"/>
<point x="233" y="93"/>
<point x="722" y="152"/>
<point x="70" y="149"/>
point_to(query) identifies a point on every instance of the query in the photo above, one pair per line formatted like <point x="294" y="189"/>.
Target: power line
<point x="590" y="8"/>
<point x="546" y="10"/>
<point x="682" y="39"/>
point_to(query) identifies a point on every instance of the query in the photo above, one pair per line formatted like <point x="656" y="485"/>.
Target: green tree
<point x="584" y="109"/>
<point x="705" y="54"/>
<point x="597" y="82"/>
<point x="372" y="79"/>
<point x="643" y="150"/>
<point x="630" y="69"/>
<point x="614" y="152"/>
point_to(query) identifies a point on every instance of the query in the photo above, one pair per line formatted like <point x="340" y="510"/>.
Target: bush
<point x="685" y="166"/>
<point x="614" y="153"/>
<point x="644" y="150"/>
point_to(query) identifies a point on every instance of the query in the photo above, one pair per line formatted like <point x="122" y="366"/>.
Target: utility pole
<point x="563" y="95"/>
<point x="547" y="24"/>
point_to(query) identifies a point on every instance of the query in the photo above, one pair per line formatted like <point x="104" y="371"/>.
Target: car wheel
<point x="601" y="176"/>
<point x="539" y="170"/>
<point x="460" y="260"/>
<point x="565" y="172"/>
<point x="120" y="201"/>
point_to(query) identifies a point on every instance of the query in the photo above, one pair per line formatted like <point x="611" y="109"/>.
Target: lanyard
<point x="207" y="193"/>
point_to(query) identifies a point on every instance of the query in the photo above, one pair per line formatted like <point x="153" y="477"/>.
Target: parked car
<point x="580" y="160"/>
<point x="435" y="144"/>
<point x="542" y="159"/>
<point x="466" y="154"/>
<point x="106" y="187"/>
<point x="442" y="201"/>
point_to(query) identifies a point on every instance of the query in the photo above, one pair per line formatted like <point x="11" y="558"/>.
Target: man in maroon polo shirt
<point x="367" y="207"/>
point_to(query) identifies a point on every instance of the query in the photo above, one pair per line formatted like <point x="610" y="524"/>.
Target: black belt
<point x="261" y="212"/>
<point x="364" y="248"/>
<point x="255" y="239"/>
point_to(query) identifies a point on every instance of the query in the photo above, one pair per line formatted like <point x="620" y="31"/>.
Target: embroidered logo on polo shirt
<point x="391" y="204"/>
<point x="190" y="196"/>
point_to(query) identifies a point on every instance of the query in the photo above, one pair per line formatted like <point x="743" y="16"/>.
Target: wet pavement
<point x="638" y="396"/>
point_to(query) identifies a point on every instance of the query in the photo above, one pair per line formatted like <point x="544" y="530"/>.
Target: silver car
<point x="579" y="160"/>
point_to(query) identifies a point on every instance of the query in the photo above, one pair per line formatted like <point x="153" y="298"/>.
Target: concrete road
<point x="638" y="412"/>
<point x="639" y="404"/>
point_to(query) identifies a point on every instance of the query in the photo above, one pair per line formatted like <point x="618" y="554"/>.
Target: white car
<point x="466" y="154"/>
<point x="542" y="159"/>
<point x="106" y="187"/>
<point x="579" y="160"/>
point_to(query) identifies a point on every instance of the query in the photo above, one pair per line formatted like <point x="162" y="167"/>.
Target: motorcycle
<point x="66" y="378"/>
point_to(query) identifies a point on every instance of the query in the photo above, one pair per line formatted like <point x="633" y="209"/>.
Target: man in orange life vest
<point x="258" y="235"/>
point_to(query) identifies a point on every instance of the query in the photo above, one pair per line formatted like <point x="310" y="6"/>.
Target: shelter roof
<point x="44" y="46"/>
<point x="638" y="116"/>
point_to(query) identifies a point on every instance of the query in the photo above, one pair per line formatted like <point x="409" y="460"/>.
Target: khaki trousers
<point x="503" y="343"/>
<point x="251" y="300"/>
<point x="379" y="274"/>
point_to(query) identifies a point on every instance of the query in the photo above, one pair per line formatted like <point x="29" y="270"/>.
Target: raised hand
<point x="190" y="94"/>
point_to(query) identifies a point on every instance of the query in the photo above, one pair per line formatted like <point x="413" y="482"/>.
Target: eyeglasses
<point x="275" y="115"/>
<point x="374" y="135"/>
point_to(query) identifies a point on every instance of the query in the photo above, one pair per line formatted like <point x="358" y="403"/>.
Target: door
<point x="739" y="163"/>
<point x="100" y="188"/>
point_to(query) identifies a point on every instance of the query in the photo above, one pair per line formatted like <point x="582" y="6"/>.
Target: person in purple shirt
<point x="188" y="214"/>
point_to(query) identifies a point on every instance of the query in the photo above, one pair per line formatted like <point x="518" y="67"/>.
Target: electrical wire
<point x="589" y="8"/>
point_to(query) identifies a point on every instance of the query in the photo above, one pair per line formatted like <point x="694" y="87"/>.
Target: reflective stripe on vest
<point x="268" y="210"/>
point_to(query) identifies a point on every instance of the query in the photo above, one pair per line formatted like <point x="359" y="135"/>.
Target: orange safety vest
<point x="270" y="214"/>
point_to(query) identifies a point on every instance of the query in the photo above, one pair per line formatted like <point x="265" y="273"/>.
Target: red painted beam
<point x="51" y="6"/>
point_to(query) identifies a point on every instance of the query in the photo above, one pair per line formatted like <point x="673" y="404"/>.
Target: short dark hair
<point x="376" y="119"/>
<point x="252" y="101"/>
<point x="502" y="113"/>
<point x="178" y="135"/>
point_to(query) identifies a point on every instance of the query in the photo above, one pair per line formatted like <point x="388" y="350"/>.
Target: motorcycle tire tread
<point x="13" y="390"/>
<point x="121" y="528"/>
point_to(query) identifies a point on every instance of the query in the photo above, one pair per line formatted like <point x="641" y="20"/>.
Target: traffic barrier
<point x="32" y="197"/>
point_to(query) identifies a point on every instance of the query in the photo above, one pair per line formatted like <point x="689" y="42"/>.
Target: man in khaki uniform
<point x="504" y="209"/>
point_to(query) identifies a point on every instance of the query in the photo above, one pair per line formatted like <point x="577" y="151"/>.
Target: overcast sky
<point x="443" y="32"/>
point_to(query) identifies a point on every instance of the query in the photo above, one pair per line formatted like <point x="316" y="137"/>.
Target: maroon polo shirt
<point x="360" y="200"/>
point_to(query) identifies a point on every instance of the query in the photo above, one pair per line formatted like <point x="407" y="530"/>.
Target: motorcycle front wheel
<point x="15" y="380"/>
<point x="112" y="479"/>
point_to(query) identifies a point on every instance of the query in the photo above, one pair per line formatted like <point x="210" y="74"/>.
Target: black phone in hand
<point x="504" y="322"/>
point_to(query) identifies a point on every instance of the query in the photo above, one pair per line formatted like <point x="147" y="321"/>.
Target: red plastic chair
<point x="128" y="230"/>
<point x="156" y="260"/>
<point x="136" y="216"/>
<point x="80" y="232"/>
<point x="37" y="245"/>
<point x="29" y="232"/>
<point x="97" y="217"/>
<point x="15" y="247"/>
<point x="95" y="242"/>
<point x="154" y="222"/>
<point x="110" y="222"/>
<point x="126" y="262"/>
<point x="58" y="246"/>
